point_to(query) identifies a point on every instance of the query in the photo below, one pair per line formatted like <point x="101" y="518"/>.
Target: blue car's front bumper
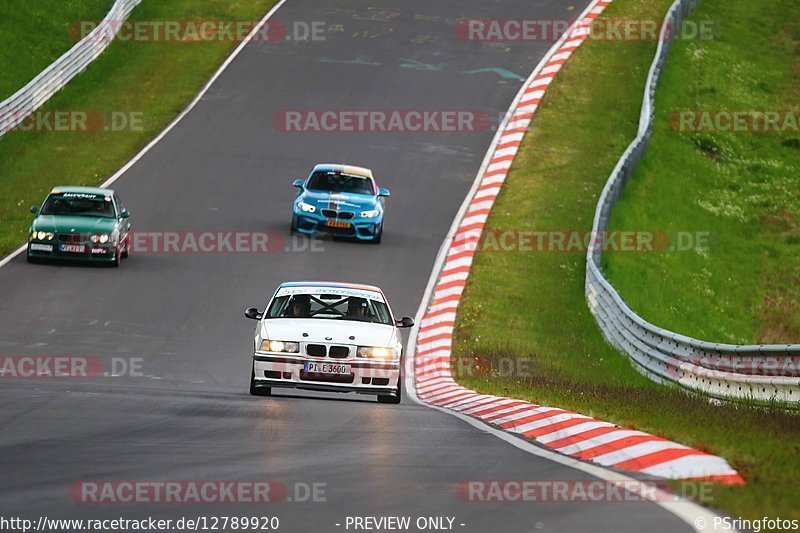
<point x="365" y="229"/>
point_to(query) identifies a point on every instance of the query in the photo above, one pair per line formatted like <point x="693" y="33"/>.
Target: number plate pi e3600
<point x="326" y="368"/>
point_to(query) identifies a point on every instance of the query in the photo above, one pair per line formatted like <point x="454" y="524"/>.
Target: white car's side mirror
<point x="253" y="313"/>
<point x="405" y="322"/>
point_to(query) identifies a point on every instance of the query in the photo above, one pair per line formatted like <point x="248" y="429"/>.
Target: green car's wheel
<point x="117" y="259"/>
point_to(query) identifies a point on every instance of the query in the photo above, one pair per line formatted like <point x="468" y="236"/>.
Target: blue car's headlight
<point x="372" y="213"/>
<point x="308" y="208"/>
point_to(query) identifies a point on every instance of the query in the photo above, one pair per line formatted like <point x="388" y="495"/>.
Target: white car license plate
<point x="73" y="248"/>
<point x="327" y="368"/>
<point x="41" y="247"/>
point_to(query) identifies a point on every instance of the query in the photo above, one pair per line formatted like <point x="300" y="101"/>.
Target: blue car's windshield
<point x="337" y="182"/>
<point x="78" y="204"/>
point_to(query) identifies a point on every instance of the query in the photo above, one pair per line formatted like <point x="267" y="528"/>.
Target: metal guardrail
<point x="761" y="373"/>
<point x="20" y="105"/>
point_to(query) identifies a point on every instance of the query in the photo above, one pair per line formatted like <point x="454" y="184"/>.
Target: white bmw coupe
<point x="338" y="337"/>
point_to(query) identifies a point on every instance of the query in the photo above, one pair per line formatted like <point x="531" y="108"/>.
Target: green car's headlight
<point x="102" y="239"/>
<point x="279" y="346"/>
<point x="42" y="235"/>
<point x="308" y="208"/>
<point x="375" y="352"/>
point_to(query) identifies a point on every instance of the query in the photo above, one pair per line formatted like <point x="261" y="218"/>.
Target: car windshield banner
<point x="338" y="291"/>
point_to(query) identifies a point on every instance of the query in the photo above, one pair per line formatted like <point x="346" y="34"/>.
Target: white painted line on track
<point x="119" y="173"/>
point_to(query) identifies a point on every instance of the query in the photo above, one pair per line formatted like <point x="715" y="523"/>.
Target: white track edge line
<point x="119" y="173"/>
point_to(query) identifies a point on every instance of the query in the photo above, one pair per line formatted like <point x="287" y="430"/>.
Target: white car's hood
<point x="328" y="331"/>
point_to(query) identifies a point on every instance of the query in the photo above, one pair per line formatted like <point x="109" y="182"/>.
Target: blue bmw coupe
<point x="339" y="200"/>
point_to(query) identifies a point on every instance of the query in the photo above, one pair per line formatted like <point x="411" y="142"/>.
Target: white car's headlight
<point x="372" y="213"/>
<point x="279" y="346"/>
<point x="374" y="352"/>
<point x="104" y="238"/>
<point x="308" y="208"/>
<point x="42" y="235"/>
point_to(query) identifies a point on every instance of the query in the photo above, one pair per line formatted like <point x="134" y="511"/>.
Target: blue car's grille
<point x="344" y="215"/>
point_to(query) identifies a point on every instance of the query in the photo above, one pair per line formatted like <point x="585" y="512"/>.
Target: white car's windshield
<point x="329" y="306"/>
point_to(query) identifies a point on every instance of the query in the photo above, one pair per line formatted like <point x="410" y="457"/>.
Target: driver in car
<point x="357" y="309"/>
<point x="299" y="307"/>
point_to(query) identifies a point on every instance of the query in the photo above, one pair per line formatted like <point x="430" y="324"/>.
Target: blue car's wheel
<point x="378" y="237"/>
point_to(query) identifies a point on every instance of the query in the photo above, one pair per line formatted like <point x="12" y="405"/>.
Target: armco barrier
<point x="18" y="106"/>
<point x="762" y="373"/>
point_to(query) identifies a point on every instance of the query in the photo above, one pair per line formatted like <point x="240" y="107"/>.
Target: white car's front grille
<point x="334" y="351"/>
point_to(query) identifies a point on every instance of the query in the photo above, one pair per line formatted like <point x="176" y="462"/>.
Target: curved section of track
<point x="224" y="167"/>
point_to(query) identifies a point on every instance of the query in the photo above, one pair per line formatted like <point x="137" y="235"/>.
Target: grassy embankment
<point x="531" y="306"/>
<point x="149" y="82"/>
<point x="37" y="33"/>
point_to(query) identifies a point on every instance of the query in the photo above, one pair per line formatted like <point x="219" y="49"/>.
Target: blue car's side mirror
<point x="298" y="183"/>
<point x="384" y="192"/>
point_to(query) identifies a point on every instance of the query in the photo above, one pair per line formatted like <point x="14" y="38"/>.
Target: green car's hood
<point x="72" y="224"/>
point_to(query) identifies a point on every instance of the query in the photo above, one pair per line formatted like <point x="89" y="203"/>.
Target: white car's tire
<point x="258" y="391"/>
<point x="394" y="398"/>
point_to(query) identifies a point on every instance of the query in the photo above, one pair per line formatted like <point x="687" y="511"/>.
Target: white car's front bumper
<point x="365" y="376"/>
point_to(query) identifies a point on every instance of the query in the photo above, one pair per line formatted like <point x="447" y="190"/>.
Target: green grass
<point x="35" y="33"/>
<point x="741" y="188"/>
<point x="530" y="307"/>
<point x="156" y="79"/>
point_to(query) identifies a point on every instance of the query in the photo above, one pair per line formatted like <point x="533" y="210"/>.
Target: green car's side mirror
<point x="34" y="210"/>
<point x="124" y="214"/>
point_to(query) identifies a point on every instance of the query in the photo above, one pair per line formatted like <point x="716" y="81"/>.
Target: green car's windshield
<point x="78" y="204"/>
<point x="338" y="182"/>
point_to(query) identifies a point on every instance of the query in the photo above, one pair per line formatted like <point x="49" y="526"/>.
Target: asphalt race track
<point x="226" y="168"/>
